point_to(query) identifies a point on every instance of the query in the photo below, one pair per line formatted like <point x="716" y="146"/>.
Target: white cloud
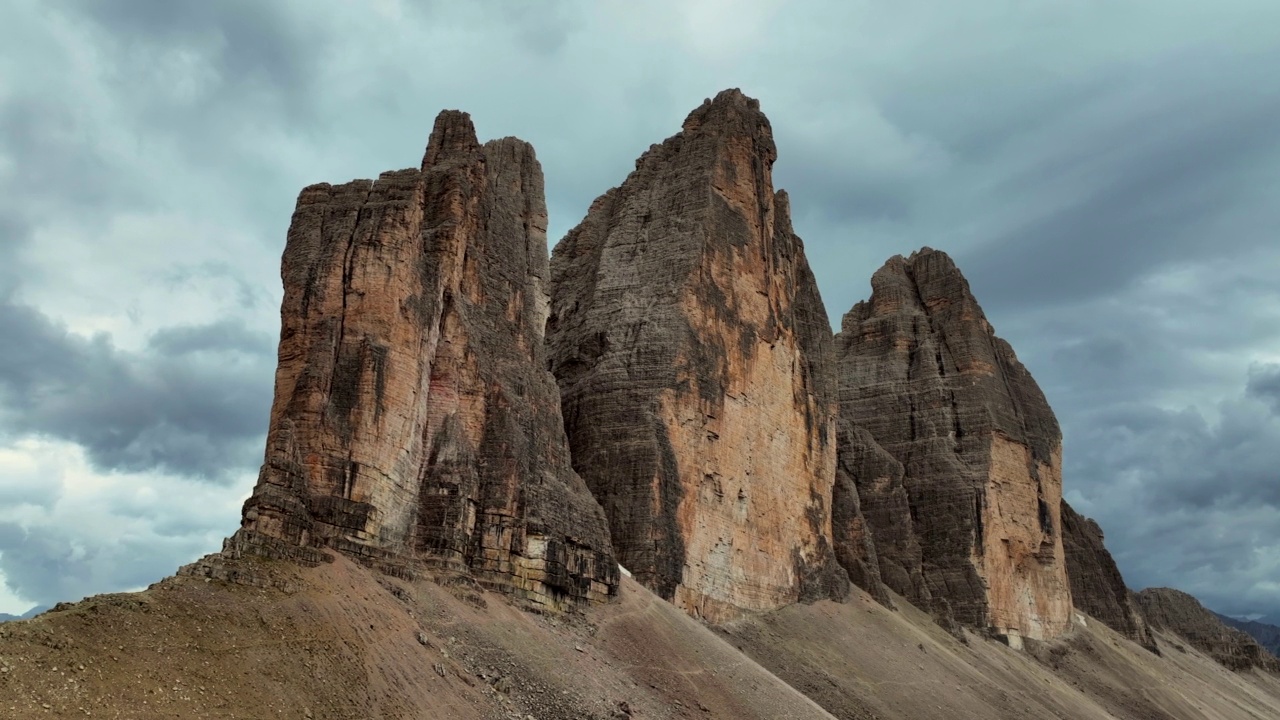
<point x="101" y="531"/>
<point x="144" y="270"/>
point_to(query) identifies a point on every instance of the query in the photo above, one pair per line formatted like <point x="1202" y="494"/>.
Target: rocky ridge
<point x="1267" y="635"/>
<point x="1179" y="613"/>
<point x="347" y="643"/>
<point x="1097" y="587"/>
<point x="980" y="452"/>
<point x="694" y="359"/>
<point x="414" y="421"/>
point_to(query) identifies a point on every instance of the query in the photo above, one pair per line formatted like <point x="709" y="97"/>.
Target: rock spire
<point x="414" y="419"/>
<point x="694" y="359"/>
<point x="959" y="467"/>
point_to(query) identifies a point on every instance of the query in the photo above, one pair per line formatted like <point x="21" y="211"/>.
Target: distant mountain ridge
<point x="6" y="617"/>
<point x="1267" y="635"/>
<point x="1177" y="612"/>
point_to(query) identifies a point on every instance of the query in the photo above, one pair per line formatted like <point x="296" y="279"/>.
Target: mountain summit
<point x="979" y="536"/>
<point x="414" y="420"/>
<point x="694" y="359"/>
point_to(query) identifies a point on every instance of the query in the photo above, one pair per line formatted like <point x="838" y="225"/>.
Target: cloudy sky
<point x="1107" y="174"/>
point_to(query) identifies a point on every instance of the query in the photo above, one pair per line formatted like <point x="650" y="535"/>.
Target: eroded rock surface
<point x="861" y="461"/>
<point x="1177" y="612"/>
<point x="922" y="372"/>
<point x="1097" y="587"/>
<point x="693" y="355"/>
<point x="414" y="418"/>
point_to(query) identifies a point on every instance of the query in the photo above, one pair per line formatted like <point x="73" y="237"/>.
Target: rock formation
<point x="923" y="374"/>
<point x="1267" y="635"/>
<point x="1096" y="585"/>
<point x="414" y="419"/>
<point x="852" y="538"/>
<point x="1179" y="613"/>
<point x="693" y="355"/>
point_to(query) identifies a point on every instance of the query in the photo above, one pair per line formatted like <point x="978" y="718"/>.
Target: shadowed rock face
<point x="979" y="448"/>
<point x="414" y="419"/>
<point x="860" y="459"/>
<point x="1096" y="585"/>
<point x="694" y="360"/>
<point x="1177" y="612"/>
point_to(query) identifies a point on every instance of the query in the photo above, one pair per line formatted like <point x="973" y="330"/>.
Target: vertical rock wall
<point x="414" y="419"/>
<point x="871" y="523"/>
<point x="694" y="360"/>
<point x="980" y="452"/>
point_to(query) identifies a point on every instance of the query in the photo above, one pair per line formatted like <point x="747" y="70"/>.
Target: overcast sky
<point x="1106" y="174"/>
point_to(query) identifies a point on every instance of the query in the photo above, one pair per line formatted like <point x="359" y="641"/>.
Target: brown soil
<point x="345" y="642"/>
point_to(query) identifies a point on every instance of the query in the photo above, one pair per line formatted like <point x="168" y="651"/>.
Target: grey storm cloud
<point x="41" y="137"/>
<point x="195" y="405"/>
<point x="48" y="564"/>
<point x="1264" y="384"/>
<point x="13" y="232"/>
<point x="250" y="43"/>
<point x="16" y="492"/>
<point x="1143" y="194"/>
<point x="1186" y="497"/>
<point x="1105" y="179"/>
<point x="223" y="336"/>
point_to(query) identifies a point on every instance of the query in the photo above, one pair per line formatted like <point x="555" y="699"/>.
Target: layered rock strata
<point x="1097" y="587"/>
<point x="693" y="355"/>
<point x="922" y="372"/>
<point x="414" y="419"/>
<point x="857" y="514"/>
<point x="1179" y="613"/>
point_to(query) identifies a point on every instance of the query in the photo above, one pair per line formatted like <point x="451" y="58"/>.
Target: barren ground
<point x="345" y="642"/>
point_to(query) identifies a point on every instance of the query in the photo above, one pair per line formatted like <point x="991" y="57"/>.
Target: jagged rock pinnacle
<point x="454" y="135"/>
<point x="414" y="420"/>
<point x="694" y="360"/>
<point x="971" y="527"/>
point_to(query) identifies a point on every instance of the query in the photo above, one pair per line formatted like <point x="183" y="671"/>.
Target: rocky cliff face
<point x="979" y="534"/>
<point x="1096" y="585"/>
<point x="854" y="544"/>
<point x="414" y="419"/>
<point x="1177" y="612"/>
<point x="694" y="360"/>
